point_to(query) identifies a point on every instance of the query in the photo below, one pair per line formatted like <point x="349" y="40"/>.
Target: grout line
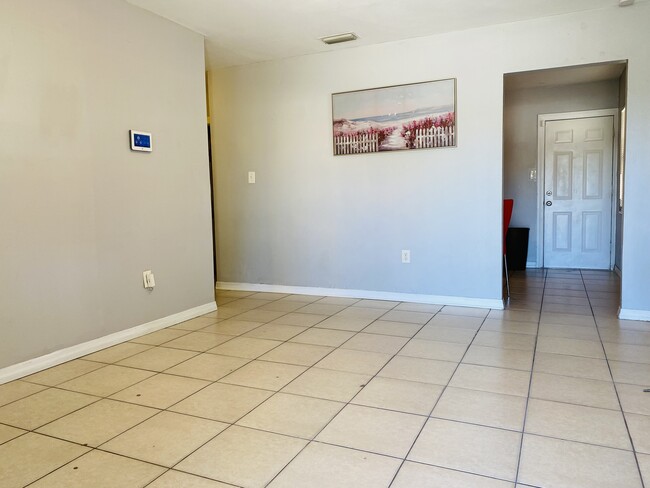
<point x="530" y="383"/>
<point x="618" y="397"/>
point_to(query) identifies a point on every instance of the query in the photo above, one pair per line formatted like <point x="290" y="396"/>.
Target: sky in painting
<point x="391" y="100"/>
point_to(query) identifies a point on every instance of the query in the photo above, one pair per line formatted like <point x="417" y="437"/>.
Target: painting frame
<point x="421" y="115"/>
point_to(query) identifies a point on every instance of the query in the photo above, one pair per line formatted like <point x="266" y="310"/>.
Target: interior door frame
<point x="541" y="145"/>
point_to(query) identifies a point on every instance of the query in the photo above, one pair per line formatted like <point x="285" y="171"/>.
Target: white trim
<point x="629" y="314"/>
<point x="617" y="270"/>
<point x="73" y="352"/>
<point x="531" y="264"/>
<point x="493" y="303"/>
<point x="541" y="146"/>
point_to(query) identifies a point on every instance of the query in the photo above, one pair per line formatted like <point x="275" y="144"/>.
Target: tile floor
<point x="304" y="391"/>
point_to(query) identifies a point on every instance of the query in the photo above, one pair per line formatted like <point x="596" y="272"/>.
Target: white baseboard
<point x="630" y="314"/>
<point x="73" y="352"/>
<point x="617" y="270"/>
<point x="531" y="264"/>
<point x="495" y="303"/>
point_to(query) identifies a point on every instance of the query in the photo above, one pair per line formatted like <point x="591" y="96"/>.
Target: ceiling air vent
<point x="349" y="36"/>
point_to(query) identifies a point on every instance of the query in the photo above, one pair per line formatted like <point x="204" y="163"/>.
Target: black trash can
<point x="517" y="247"/>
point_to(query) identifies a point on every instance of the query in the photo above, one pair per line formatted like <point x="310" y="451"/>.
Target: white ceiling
<point x="247" y="31"/>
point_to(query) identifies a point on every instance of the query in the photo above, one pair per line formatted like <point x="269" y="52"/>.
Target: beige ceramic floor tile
<point x="208" y="366"/>
<point x="464" y="311"/>
<point x="579" y="391"/>
<point x="481" y="407"/>
<point x="27" y="458"/>
<point x="372" y="429"/>
<point x="631" y="373"/>
<point x="10" y="392"/>
<point x="457" y="335"/>
<point x="566" y="319"/>
<point x="375" y="343"/>
<point x="408" y="317"/>
<point x="243" y="457"/>
<point x="321" y="308"/>
<point x="354" y="469"/>
<point x="565" y="464"/>
<point x="417" y="369"/>
<point x="63" y="372"/>
<point x="571" y="347"/>
<point x="622" y="336"/>
<point x="367" y="313"/>
<point x="97" y="423"/>
<point x="361" y="362"/>
<point x="323" y="337"/>
<point x="231" y="327"/>
<point x="165" y="439"/>
<point x="176" y="479"/>
<point x="101" y="470"/>
<point x="201" y="322"/>
<point x="577" y="423"/>
<point x="644" y="466"/>
<point x="7" y="433"/>
<point x="380" y="304"/>
<point x="284" y="306"/>
<point x="117" y="353"/>
<point x="627" y="352"/>
<point x="245" y="347"/>
<point x="444" y="351"/>
<point x="226" y="403"/>
<point x="514" y="315"/>
<point x="160" y="336"/>
<point x="579" y="367"/>
<point x="233" y="293"/>
<point x="495" y="380"/>
<point x="198" y="341"/>
<point x="327" y="384"/>
<point x="500" y="358"/>
<point x="399" y="395"/>
<point x="505" y="340"/>
<point x="300" y="319"/>
<point x="338" y="301"/>
<point x="275" y="332"/>
<point x="508" y="326"/>
<point x="639" y="426"/>
<point x="350" y="324"/>
<point x="633" y="399"/>
<point x="158" y="358"/>
<point x="261" y="315"/>
<point x="399" y="329"/>
<point x="418" y="307"/>
<point x="161" y="391"/>
<point x="33" y="411"/>
<point x="264" y="374"/>
<point x="295" y="353"/>
<point x="471" y="448"/>
<point x="413" y="475"/>
<point x="579" y="332"/>
<point x="293" y="415"/>
<point x="107" y="380"/>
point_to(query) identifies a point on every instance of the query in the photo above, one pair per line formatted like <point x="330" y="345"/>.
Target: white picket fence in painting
<point x="356" y="144"/>
<point x="434" y="137"/>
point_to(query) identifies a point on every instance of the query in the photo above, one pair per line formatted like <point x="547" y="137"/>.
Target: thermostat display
<point x="140" y="141"/>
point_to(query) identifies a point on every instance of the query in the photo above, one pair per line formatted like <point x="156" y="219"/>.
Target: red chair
<point x="507" y="215"/>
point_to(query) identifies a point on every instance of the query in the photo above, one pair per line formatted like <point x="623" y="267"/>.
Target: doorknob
<point x="549" y="203"/>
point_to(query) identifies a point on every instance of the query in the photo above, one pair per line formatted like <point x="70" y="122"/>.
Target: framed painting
<point x="394" y="118"/>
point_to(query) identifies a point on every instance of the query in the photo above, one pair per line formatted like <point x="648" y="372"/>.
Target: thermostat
<point x="140" y="141"/>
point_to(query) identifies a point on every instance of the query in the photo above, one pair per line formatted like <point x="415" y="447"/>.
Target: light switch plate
<point x="251" y="176"/>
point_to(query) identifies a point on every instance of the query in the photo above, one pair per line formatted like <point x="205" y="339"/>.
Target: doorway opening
<point x="555" y="170"/>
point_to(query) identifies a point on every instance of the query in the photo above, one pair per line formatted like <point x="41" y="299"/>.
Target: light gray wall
<point x="521" y="108"/>
<point x="317" y="220"/>
<point x="81" y="216"/>
<point x="622" y="101"/>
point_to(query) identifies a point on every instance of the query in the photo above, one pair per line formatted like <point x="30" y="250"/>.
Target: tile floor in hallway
<point x="303" y="391"/>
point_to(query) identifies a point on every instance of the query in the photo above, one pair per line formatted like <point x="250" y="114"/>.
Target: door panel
<point x="578" y="192"/>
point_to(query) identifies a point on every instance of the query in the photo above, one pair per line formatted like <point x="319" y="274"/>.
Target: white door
<point x="578" y="192"/>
